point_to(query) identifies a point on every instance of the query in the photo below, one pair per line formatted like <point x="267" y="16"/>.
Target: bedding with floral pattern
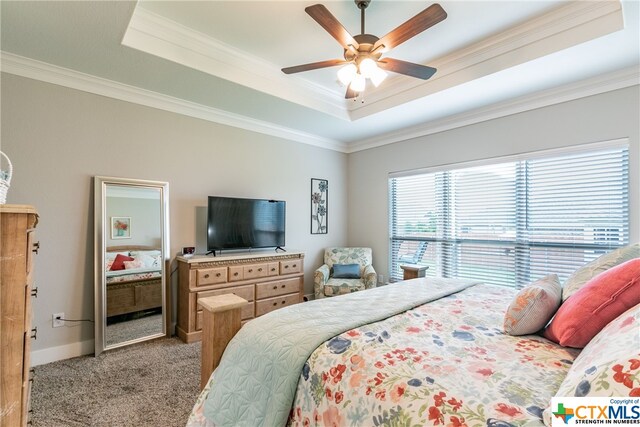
<point x="443" y="363"/>
<point x="447" y="362"/>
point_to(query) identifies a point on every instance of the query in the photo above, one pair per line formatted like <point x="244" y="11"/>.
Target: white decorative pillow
<point x="609" y="365"/>
<point x="138" y="254"/>
<point x="150" y="261"/>
<point x="533" y="306"/>
<point x="132" y="265"/>
<point x="597" y="266"/>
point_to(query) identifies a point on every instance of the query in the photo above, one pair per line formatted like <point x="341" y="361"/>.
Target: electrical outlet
<point x="57" y="319"/>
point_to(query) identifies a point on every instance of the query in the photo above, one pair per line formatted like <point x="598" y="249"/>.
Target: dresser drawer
<point x="236" y="273"/>
<point x="274" y="269"/>
<point x="281" y="287"/>
<point x="245" y="314"/>
<point x="245" y="292"/>
<point x="290" y="267"/>
<point x="211" y="276"/>
<point x="268" y="305"/>
<point x="255" y="270"/>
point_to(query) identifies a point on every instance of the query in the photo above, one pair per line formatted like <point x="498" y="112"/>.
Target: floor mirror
<point x="131" y="259"/>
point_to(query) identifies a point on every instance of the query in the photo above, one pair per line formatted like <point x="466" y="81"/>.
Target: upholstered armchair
<point x="326" y="285"/>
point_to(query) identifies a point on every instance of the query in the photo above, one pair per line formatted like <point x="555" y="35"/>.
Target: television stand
<point x="281" y="248"/>
<point x="211" y="252"/>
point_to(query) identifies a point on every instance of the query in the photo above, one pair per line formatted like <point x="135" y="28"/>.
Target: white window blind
<point x="512" y="222"/>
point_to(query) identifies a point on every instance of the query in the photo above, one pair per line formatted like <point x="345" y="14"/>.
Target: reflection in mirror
<point x="131" y="225"/>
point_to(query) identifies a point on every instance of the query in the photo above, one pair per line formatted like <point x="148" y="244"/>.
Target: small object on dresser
<point x="5" y="179"/>
<point x="188" y="251"/>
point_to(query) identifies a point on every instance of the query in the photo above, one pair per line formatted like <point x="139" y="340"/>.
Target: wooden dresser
<point x="268" y="281"/>
<point x="17" y="224"/>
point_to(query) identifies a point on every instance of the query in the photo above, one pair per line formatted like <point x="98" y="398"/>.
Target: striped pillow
<point x="533" y="306"/>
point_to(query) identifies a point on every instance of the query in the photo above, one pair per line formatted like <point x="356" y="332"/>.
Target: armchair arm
<point x="320" y="278"/>
<point x="370" y="277"/>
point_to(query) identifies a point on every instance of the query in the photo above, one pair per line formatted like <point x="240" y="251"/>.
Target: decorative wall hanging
<point x="120" y="227"/>
<point x="319" y="205"/>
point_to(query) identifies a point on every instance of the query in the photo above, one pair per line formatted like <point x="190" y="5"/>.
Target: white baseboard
<point x="53" y="354"/>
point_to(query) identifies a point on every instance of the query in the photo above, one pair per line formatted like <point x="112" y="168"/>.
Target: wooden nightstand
<point x="412" y="271"/>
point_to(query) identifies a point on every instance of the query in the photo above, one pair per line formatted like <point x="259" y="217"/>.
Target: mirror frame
<point x="100" y="230"/>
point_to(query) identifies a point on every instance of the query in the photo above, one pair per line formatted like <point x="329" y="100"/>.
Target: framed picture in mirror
<point x="120" y="227"/>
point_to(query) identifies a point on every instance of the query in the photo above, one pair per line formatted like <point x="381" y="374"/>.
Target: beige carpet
<point x="148" y="384"/>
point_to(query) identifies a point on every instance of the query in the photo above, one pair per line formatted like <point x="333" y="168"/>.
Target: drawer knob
<point x="251" y="270"/>
<point x="275" y="287"/>
<point x="259" y="269"/>
<point x="282" y="286"/>
<point x="34" y="333"/>
<point x="294" y="265"/>
<point x="217" y="274"/>
<point x="273" y="269"/>
<point x="36" y="247"/>
<point x="283" y="302"/>
<point x="206" y="276"/>
<point x="286" y="266"/>
<point x="275" y="303"/>
<point x="235" y="274"/>
<point x="34" y="292"/>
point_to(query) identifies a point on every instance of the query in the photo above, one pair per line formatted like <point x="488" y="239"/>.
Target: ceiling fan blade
<point x="350" y="93"/>
<point x="423" y="20"/>
<point x="407" y="68"/>
<point x="313" y="66"/>
<point x="329" y="22"/>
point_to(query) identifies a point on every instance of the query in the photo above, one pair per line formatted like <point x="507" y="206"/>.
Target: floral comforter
<point x="121" y="276"/>
<point x="443" y="363"/>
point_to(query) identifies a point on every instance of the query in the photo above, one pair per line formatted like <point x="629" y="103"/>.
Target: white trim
<point x="528" y="155"/>
<point x="558" y="29"/>
<point x="618" y="80"/>
<point x="26" y="67"/>
<point x="157" y="35"/>
<point x="567" y="25"/>
<point x="53" y="354"/>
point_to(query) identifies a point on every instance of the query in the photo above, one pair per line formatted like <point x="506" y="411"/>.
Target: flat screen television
<point x="234" y="223"/>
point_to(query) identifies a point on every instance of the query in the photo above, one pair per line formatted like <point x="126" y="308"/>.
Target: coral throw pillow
<point x="533" y="306"/>
<point x="118" y="262"/>
<point x="598" y="302"/>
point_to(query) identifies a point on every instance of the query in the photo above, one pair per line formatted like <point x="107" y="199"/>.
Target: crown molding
<point x="596" y="85"/>
<point x="29" y="68"/>
<point x="561" y="28"/>
<point x="37" y="70"/>
<point x="162" y="37"/>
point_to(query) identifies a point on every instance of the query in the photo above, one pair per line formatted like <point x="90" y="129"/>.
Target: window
<point x="512" y="222"/>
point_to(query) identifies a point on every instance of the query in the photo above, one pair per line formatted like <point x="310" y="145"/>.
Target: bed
<point x="432" y="352"/>
<point x="138" y="287"/>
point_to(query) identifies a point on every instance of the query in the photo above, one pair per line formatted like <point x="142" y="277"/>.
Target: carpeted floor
<point x="133" y="328"/>
<point x="149" y="384"/>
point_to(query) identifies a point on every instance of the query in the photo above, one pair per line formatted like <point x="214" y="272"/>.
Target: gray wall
<point x="145" y="214"/>
<point x="596" y="118"/>
<point x="59" y="138"/>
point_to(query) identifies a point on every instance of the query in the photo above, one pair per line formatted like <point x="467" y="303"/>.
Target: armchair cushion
<point x="342" y="286"/>
<point x="346" y="271"/>
<point x="357" y="261"/>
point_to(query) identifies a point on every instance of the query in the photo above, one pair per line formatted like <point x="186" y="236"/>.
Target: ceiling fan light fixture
<point x="368" y="67"/>
<point x="378" y="76"/>
<point x="358" y="83"/>
<point x="347" y="73"/>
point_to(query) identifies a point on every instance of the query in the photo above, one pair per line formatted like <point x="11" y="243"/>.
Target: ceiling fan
<point x="363" y="52"/>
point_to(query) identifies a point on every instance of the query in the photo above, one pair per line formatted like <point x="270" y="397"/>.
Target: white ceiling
<point x="221" y="60"/>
